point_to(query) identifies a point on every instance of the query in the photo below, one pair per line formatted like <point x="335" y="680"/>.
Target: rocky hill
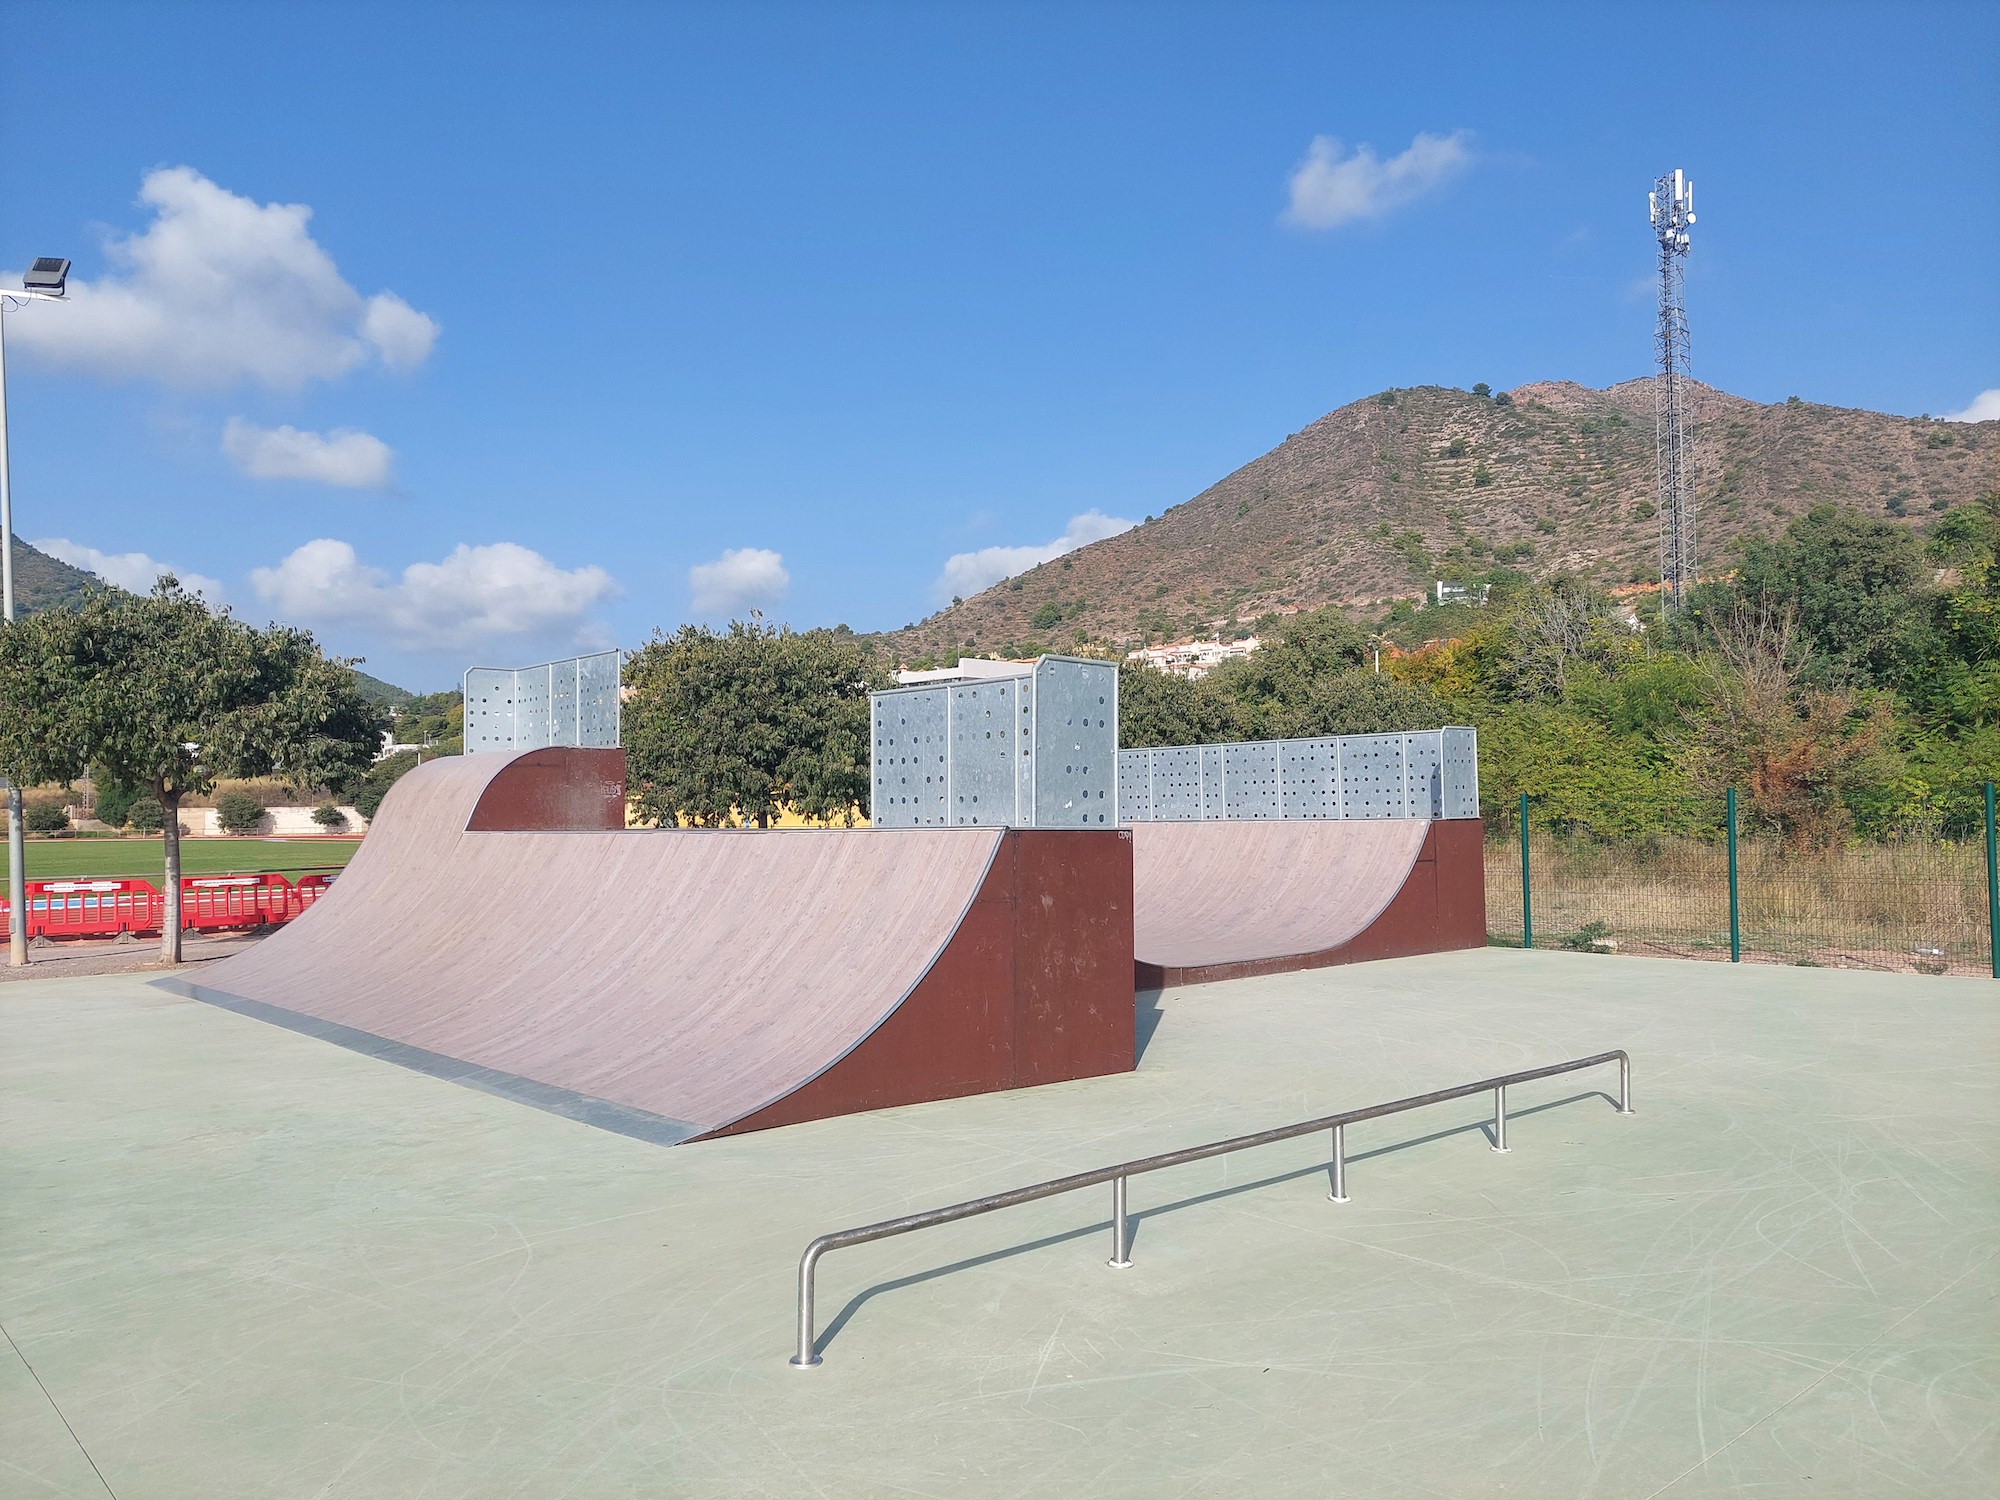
<point x="1375" y="501"/>
<point x="42" y="582"/>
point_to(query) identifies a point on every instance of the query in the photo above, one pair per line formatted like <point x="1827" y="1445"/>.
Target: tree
<point x="738" y="726"/>
<point x="1165" y="708"/>
<point x="161" y="693"/>
<point x="374" y="784"/>
<point x="1309" y="680"/>
<point x="329" y="817"/>
<point x="1803" y="756"/>
<point x="114" y="799"/>
<point x="239" y="812"/>
<point x="1853" y="584"/>
<point x="45" y="817"/>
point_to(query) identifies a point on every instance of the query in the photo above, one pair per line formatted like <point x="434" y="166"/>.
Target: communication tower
<point x="1671" y="207"/>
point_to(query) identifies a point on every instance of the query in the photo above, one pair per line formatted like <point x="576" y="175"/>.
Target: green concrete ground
<point x="244" y="1262"/>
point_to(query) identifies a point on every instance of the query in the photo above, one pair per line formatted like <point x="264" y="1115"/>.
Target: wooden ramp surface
<point x="1224" y="899"/>
<point x="667" y="983"/>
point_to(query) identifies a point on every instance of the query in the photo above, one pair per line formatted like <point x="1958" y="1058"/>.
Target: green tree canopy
<point x="160" y="693"/>
<point x="1308" y="680"/>
<point x="740" y="725"/>
<point x="1853" y="583"/>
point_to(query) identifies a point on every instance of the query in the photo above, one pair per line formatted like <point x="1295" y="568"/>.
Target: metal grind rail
<point x="1121" y="1239"/>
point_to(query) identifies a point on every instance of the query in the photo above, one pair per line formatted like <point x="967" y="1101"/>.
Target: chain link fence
<point x="1919" y="906"/>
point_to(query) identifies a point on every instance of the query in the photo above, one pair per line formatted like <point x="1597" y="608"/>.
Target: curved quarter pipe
<point x="1225" y="899"/>
<point x="498" y="927"/>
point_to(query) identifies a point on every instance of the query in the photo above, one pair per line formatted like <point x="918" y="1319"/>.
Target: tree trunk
<point x="170" y="930"/>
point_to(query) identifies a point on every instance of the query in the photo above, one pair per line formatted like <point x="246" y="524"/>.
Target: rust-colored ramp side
<point x="671" y="984"/>
<point x="1225" y="900"/>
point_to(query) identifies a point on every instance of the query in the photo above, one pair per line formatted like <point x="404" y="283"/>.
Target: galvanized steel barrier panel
<point x="570" y="702"/>
<point x="1424" y="774"/>
<point x="1034" y="750"/>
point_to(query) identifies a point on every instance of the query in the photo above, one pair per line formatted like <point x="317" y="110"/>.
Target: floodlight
<point x="47" y="274"/>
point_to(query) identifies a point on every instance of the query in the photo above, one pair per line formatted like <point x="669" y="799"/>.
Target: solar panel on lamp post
<point x="47" y="280"/>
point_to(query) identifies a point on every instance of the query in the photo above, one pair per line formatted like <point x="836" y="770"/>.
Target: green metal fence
<point x="1921" y="906"/>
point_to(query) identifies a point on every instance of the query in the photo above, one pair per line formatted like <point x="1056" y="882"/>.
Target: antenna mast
<point x="1671" y="207"/>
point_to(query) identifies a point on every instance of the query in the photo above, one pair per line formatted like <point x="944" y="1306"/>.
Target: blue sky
<point x="606" y="318"/>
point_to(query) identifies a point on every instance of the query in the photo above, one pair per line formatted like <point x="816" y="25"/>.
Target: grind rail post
<point x="1118" y="1176"/>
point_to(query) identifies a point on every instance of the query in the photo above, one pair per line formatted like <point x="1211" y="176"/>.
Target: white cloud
<point x="1331" y="187"/>
<point x="1985" y="407"/>
<point x="741" y="576"/>
<point x="475" y="596"/>
<point x="355" y="460"/>
<point x="132" y="571"/>
<point x="219" y="289"/>
<point x="967" y="573"/>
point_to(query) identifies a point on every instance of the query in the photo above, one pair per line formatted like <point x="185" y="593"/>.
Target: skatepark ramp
<point x="1227" y="899"/>
<point x="499" y="927"/>
<point x="1276" y="855"/>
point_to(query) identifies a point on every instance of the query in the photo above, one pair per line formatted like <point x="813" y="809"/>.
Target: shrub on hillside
<point x="240" y="812"/>
<point x="145" y="815"/>
<point x="47" y="817"/>
<point x="329" y="817"/>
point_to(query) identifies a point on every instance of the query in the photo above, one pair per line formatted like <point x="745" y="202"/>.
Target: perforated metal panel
<point x="1310" y="773"/>
<point x="1135" y="785"/>
<point x="531" y="707"/>
<point x="1177" y="782"/>
<point x="489" y="709"/>
<point x="1075" y="743"/>
<point x="1250" y="780"/>
<point x="1427" y="774"/>
<point x="1459" y="773"/>
<point x="1372" y="780"/>
<point x="1037" y="750"/>
<point x="569" y="702"/>
<point x="909" y="751"/>
<point x="984" y="736"/>
<point x="1423" y="755"/>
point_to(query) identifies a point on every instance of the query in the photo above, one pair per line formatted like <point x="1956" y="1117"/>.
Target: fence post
<point x="1735" y="924"/>
<point x="1992" y="886"/>
<point x="1528" y="900"/>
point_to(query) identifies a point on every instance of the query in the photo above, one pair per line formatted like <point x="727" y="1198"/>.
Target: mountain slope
<point x="42" y="582"/>
<point x="1376" y="500"/>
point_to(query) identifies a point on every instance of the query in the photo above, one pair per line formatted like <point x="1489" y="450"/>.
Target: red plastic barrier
<point x="218" y="903"/>
<point x="209" y="903"/>
<point x="309" y="888"/>
<point x="91" y="908"/>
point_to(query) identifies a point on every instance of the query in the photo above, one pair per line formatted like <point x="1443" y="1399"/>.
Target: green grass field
<point x="108" y="859"/>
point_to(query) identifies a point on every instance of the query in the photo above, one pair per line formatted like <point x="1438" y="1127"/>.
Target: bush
<point x="329" y="817"/>
<point x="47" y="817"/>
<point x="372" y="788"/>
<point x="145" y="815"/>
<point x="114" y="802"/>
<point x="240" y="812"/>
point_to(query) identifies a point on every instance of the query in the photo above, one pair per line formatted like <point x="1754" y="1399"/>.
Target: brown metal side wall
<point x="1074" y="1013"/>
<point x="1034" y="987"/>
<point x="559" y="790"/>
<point x="1441" y="907"/>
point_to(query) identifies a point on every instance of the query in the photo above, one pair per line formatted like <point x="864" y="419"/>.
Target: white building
<point x="1193" y="658"/>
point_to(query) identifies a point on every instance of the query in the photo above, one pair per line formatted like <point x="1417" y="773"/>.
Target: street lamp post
<point x="46" y="281"/>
